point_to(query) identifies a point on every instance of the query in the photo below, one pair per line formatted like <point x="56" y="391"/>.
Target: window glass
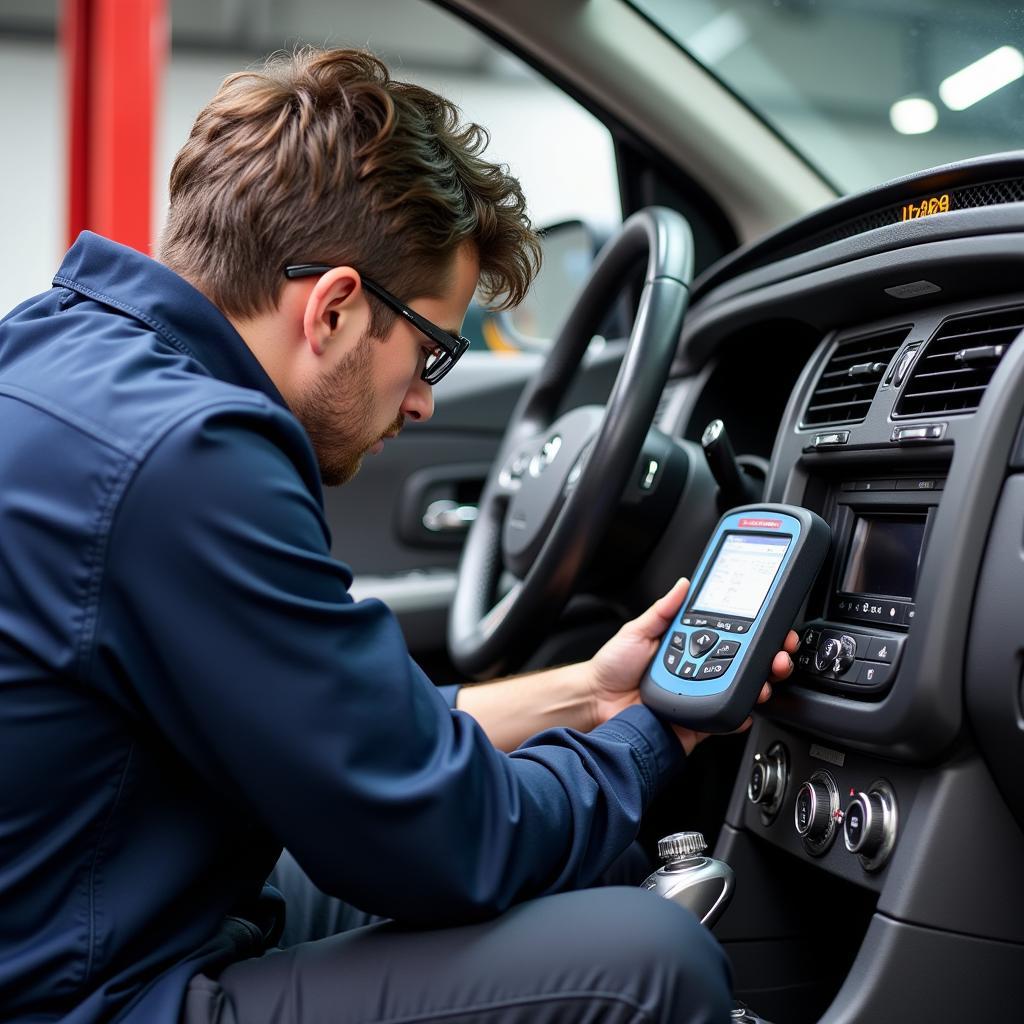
<point x="867" y="91"/>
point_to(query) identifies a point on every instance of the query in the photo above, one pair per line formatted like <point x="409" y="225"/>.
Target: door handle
<point x="446" y="516"/>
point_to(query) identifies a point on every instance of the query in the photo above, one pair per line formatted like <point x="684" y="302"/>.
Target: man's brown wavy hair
<point x="320" y="157"/>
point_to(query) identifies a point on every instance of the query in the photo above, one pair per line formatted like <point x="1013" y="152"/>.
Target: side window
<point x="563" y="156"/>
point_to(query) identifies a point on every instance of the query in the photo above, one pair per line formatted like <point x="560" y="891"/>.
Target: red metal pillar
<point x="115" y="52"/>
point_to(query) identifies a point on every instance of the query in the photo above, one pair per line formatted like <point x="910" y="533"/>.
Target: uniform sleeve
<point x="223" y="613"/>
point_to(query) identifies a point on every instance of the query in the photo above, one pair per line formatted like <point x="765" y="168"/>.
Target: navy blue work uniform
<point x="186" y="686"/>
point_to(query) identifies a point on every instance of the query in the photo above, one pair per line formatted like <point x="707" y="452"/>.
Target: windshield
<point x="867" y="90"/>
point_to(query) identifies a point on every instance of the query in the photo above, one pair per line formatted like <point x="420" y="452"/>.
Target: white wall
<point x="560" y="153"/>
<point x="32" y="190"/>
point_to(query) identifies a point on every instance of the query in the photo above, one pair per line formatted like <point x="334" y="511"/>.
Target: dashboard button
<point x="811" y="638"/>
<point x="874" y="673"/>
<point x="726" y="649"/>
<point x="915" y="485"/>
<point x="713" y="668"/>
<point x="833" y="437"/>
<point x="881" y="649"/>
<point x="701" y="641"/>
<point x="805" y="661"/>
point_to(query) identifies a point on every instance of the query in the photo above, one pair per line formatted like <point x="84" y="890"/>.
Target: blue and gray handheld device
<point x="751" y="582"/>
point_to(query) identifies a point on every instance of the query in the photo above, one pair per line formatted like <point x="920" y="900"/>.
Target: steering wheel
<point x="557" y="481"/>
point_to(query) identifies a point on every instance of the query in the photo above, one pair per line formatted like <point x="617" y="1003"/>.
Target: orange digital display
<point x="927" y="207"/>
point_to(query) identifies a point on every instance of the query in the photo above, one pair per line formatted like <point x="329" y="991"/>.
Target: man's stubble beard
<point x="338" y="415"/>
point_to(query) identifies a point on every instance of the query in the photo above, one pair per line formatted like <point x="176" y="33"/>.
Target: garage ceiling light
<point x="982" y="78"/>
<point x="913" y="115"/>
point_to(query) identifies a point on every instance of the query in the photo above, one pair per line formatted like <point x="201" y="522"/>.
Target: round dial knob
<point x="828" y="651"/>
<point x="835" y="654"/>
<point x="813" y="812"/>
<point x="848" y="651"/>
<point x="863" y="824"/>
<point x="681" y="844"/>
<point x="765" y="785"/>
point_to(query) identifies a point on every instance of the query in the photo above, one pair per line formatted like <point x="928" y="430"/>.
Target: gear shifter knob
<point x="701" y="884"/>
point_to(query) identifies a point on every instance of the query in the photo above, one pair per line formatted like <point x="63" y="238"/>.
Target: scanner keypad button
<point x="726" y="649"/>
<point x="713" y="668"/>
<point x="672" y="659"/>
<point x="701" y="641"/>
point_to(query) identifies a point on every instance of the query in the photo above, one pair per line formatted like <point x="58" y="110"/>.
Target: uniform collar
<point x="153" y="294"/>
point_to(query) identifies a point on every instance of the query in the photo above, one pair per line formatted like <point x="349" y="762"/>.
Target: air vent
<point x="952" y="372"/>
<point x="844" y="391"/>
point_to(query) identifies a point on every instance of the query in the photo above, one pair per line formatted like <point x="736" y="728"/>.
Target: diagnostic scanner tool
<point x="751" y="582"/>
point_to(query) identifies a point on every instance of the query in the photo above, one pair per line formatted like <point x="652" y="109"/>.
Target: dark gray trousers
<point x="612" y="955"/>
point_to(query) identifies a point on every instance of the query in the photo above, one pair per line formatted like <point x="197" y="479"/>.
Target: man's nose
<point x="419" y="401"/>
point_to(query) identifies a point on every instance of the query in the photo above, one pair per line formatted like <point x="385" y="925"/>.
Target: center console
<point x="853" y="826"/>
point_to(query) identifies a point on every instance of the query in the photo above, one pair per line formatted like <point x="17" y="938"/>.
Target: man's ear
<point x="335" y="309"/>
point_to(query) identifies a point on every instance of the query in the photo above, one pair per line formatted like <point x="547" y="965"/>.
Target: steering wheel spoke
<point x="553" y="494"/>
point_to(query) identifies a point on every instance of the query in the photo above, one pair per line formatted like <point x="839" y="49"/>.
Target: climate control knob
<point x="767" y="784"/>
<point x="815" y="812"/>
<point x="862" y="824"/>
<point x="869" y="825"/>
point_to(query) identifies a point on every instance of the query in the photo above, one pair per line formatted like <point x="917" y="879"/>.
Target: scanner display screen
<point x="742" y="574"/>
<point x="884" y="555"/>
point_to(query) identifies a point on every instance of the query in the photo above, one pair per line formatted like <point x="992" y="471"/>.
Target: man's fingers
<point x="653" y="622"/>
<point x="765" y="694"/>
<point x="782" y="666"/>
<point x="792" y="643"/>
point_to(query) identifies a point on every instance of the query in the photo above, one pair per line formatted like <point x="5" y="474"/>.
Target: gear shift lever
<point x="701" y="884"/>
<point x="734" y="486"/>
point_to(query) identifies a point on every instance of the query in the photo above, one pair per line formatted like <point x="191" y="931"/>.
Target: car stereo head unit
<point x="879" y="540"/>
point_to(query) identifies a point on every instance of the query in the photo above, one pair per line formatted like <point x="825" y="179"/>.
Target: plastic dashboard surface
<point x="910" y="277"/>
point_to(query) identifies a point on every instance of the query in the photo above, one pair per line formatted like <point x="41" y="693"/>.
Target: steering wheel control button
<point x="869" y="824"/>
<point x="815" y="811"/>
<point x="767" y="784"/>
<point x="811" y="638"/>
<point x="702" y="641"/>
<point x="713" y="668"/>
<point x="678" y="641"/>
<point x="726" y="649"/>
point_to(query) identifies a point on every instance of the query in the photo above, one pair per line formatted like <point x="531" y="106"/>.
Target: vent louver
<point x="850" y="379"/>
<point x="951" y="374"/>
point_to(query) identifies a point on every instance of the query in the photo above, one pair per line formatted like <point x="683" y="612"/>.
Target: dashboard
<point x="894" y="757"/>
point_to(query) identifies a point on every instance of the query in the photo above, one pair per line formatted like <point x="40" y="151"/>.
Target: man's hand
<point x="617" y="668"/>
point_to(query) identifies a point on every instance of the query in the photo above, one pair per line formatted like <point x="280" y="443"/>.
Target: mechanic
<point x="186" y="686"/>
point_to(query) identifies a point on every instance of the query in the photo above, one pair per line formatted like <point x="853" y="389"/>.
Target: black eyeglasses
<point x="448" y="346"/>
